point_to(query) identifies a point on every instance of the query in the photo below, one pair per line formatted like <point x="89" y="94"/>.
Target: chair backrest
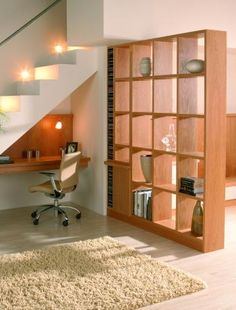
<point x="69" y="168"/>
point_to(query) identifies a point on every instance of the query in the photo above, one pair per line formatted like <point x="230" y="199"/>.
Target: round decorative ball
<point x="195" y="66"/>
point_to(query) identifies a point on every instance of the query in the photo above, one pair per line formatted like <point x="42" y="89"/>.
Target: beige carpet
<point x="94" y="274"/>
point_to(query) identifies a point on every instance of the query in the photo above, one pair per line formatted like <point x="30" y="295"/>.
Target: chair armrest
<point x="51" y="176"/>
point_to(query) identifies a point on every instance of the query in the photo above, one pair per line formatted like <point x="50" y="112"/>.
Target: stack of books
<point x="5" y="159"/>
<point x="142" y="203"/>
<point x="191" y="185"/>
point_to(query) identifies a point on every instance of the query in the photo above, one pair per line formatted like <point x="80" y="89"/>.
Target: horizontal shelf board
<point x="189" y="115"/>
<point x="122" y="79"/>
<point x="165" y="76"/>
<point x="230" y="181"/>
<point x="120" y="146"/>
<point x="141" y="113"/>
<point x="171" y="188"/>
<point x="190" y="75"/>
<point x="187" y="232"/>
<point x="197" y="155"/>
<point x="197" y="197"/>
<point x="141" y="183"/>
<point x="121" y="112"/>
<point x="157" y="114"/>
<point x="170" y="223"/>
<point x="136" y="149"/>
<point x="141" y="78"/>
<point x="159" y="152"/>
<point x="116" y="163"/>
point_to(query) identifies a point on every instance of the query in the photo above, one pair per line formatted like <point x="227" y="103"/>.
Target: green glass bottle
<point x="197" y="219"/>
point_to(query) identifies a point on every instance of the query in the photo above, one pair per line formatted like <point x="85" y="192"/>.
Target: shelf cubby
<point x="122" y="153"/>
<point x="190" y="167"/>
<point x="122" y="94"/>
<point x="137" y="174"/>
<point x="161" y="129"/>
<point x="122" y="129"/>
<point x="185" y="206"/>
<point x="191" y="95"/>
<point x="164" y="208"/>
<point x="142" y="131"/>
<point x="165" y="56"/>
<point x="142" y="96"/>
<point x="191" y="135"/>
<point x="140" y="50"/>
<point x="165" y="164"/>
<point x="165" y="95"/>
<point x="190" y="47"/>
<point x="122" y="62"/>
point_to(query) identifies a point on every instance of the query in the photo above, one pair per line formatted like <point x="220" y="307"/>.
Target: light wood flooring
<point x="217" y="269"/>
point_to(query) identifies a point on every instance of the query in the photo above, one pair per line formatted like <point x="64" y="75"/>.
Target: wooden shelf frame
<point x="195" y="102"/>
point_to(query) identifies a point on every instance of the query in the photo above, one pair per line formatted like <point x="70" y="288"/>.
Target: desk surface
<point x="33" y="164"/>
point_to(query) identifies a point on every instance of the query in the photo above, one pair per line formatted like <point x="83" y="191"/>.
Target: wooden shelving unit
<point x="144" y="108"/>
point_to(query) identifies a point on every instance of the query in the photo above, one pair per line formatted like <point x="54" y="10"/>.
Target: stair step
<point x="28" y="88"/>
<point x="68" y="57"/>
<point x="50" y="72"/>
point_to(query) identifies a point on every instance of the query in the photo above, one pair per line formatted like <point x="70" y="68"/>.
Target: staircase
<point x="52" y="82"/>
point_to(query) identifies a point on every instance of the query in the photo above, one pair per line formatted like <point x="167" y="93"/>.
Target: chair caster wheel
<point x="34" y="214"/>
<point x="35" y="221"/>
<point x="65" y="223"/>
<point x="78" y="215"/>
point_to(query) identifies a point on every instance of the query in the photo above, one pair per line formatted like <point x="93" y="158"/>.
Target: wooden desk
<point x="43" y="163"/>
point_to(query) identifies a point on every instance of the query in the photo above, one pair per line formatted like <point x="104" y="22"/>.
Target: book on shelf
<point x="191" y="185"/>
<point x="142" y="203"/>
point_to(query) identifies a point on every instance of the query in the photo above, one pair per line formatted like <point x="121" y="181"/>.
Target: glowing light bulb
<point x="58" y="125"/>
<point x="25" y="75"/>
<point x="58" y="49"/>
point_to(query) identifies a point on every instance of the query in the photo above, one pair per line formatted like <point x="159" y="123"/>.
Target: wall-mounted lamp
<point x="25" y="75"/>
<point x="59" y="49"/>
<point x="58" y="125"/>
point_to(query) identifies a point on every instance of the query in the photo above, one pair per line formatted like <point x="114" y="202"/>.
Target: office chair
<point x="57" y="189"/>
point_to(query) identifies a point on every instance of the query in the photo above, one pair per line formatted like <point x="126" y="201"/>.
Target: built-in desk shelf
<point x="36" y="164"/>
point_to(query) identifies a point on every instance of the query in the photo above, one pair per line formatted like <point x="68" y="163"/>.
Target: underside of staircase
<point x="51" y="82"/>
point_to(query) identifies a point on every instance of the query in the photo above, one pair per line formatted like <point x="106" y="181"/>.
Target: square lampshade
<point x="9" y="104"/>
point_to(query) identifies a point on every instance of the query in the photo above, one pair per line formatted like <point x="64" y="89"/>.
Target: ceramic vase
<point x="146" y="165"/>
<point x="197" y="219"/>
<point x="195" y="66"/>
<point x="145" y="66"/>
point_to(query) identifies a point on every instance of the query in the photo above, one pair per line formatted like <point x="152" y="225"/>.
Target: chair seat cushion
<point x="47" y="188"/>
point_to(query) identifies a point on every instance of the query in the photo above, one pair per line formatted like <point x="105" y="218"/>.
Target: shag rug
<point x="93" y="274"/>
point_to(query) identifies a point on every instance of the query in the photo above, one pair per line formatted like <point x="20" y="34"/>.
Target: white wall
<point x="31" y="46"/>
<point x="11" y="20"/>
<point x="89" y="109"/>
<point x="99" y="22"/>
<point x="172" y="17"/>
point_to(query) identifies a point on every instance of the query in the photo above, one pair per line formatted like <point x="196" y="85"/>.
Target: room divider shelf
<point x="171" y="115"/>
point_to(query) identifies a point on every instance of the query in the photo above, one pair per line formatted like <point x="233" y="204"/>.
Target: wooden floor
<point x="217" y="269"/>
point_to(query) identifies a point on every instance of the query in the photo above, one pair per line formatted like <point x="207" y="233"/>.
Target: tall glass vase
<point x="169" y="140"/>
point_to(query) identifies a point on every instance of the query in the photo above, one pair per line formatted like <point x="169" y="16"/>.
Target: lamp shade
<point x="9" y="104"/>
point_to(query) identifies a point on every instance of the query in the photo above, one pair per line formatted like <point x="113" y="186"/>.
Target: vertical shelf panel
<point x="122" y="62"/>
<point x="122" y="96"/>
<point x="140" y="50"/>
<point x="142" y="96"/>
<point x="142" y="131"/>
<point x="121" y="191"/>
<point x="165" y="56"/>
<point x="122" y="129"/>
<point x="165" y="92"/>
